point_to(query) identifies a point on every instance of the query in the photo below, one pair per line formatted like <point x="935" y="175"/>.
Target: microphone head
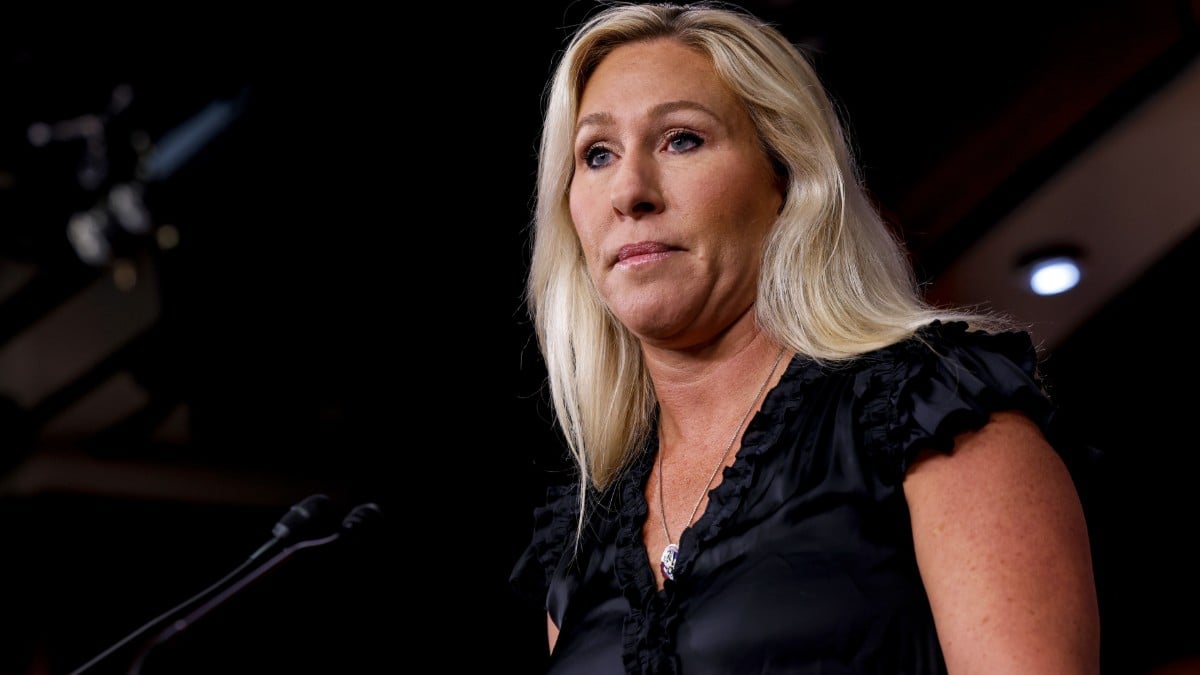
<point x="362" y="517"/>
<point x="313" y="514"/>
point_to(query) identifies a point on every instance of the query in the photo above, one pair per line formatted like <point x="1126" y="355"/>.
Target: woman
<point x="787" y="461"/>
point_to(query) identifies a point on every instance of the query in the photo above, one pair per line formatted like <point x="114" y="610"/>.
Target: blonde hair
<point x="835" y="280"/>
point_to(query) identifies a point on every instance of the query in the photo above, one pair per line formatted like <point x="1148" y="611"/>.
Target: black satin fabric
<point x="803" y="559"/>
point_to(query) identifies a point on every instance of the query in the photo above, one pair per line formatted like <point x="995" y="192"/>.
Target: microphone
<point x="308" y="518"/>
<point x="362" y="518"/>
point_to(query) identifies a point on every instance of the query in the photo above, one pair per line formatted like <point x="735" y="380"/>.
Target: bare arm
<point x="1003" y="550"/>
<point x="551" y="631"/>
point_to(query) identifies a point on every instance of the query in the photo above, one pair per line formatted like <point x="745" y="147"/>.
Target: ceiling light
<point x="1051" y="271"/>
<point x="1054" y="275"/>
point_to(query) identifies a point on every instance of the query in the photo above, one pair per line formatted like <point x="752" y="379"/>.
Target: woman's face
<point x="672" y="195"/>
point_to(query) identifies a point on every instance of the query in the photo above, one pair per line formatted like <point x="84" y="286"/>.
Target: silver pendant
<point x="669" y="555"/>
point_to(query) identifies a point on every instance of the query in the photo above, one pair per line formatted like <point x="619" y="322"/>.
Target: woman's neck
<point x="703" y="393"/>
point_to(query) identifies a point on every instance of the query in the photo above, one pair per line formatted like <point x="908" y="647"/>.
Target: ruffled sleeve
<point x="921" y="393"/>
<point x="553" y="528"/>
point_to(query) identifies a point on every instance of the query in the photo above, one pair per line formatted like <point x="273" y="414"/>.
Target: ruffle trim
<point x="646" y="644"/>
<point x="553" y="530"/>
<point x="782" y="404"/>
<point x="946" y="380"/>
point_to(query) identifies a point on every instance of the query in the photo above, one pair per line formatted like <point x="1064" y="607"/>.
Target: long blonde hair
<point x="835" y="280"/>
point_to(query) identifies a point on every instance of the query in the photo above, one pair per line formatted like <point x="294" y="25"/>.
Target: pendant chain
<point x="668" y="558"/>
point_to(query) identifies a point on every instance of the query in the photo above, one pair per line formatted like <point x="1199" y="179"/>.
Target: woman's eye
<point x="596" y="156"/>
<point x="682" y="141"/>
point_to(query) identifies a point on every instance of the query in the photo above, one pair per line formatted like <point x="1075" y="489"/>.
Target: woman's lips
<point x="631" y="253"/>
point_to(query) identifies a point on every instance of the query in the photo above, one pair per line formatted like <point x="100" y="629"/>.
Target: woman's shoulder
<point x="944" y="379"/>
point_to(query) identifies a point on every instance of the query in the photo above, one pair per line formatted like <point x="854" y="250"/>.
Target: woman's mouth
<point x="643" y="251"/>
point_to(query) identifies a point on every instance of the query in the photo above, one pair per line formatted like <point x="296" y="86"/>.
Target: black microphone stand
<point x="181" y="624"/>
<point x="303" y="519"/>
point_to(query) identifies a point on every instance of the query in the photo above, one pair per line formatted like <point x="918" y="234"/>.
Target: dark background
<point x="343" y="314"/>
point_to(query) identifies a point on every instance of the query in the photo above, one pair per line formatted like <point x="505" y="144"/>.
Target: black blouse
<point x="803" y="559"/>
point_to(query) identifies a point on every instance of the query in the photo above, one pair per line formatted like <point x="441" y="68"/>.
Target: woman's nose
<point x="635" y="189"/>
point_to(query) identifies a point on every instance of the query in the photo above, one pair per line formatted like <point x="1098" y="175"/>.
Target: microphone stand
<point x="162" y="617"/>
<point x="299" y="521"/>
<point x="181" y="624"/>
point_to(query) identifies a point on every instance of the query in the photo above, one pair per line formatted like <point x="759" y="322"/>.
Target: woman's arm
<point x="1003" y="549"/>
<point x="551" y="631"/>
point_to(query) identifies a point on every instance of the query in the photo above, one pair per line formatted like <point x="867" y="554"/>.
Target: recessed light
<point x="1051" y="270"/>
<point x="1052" y="276"/>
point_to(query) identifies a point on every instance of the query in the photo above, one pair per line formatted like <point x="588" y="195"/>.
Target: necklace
<point x="670" y="554"/>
